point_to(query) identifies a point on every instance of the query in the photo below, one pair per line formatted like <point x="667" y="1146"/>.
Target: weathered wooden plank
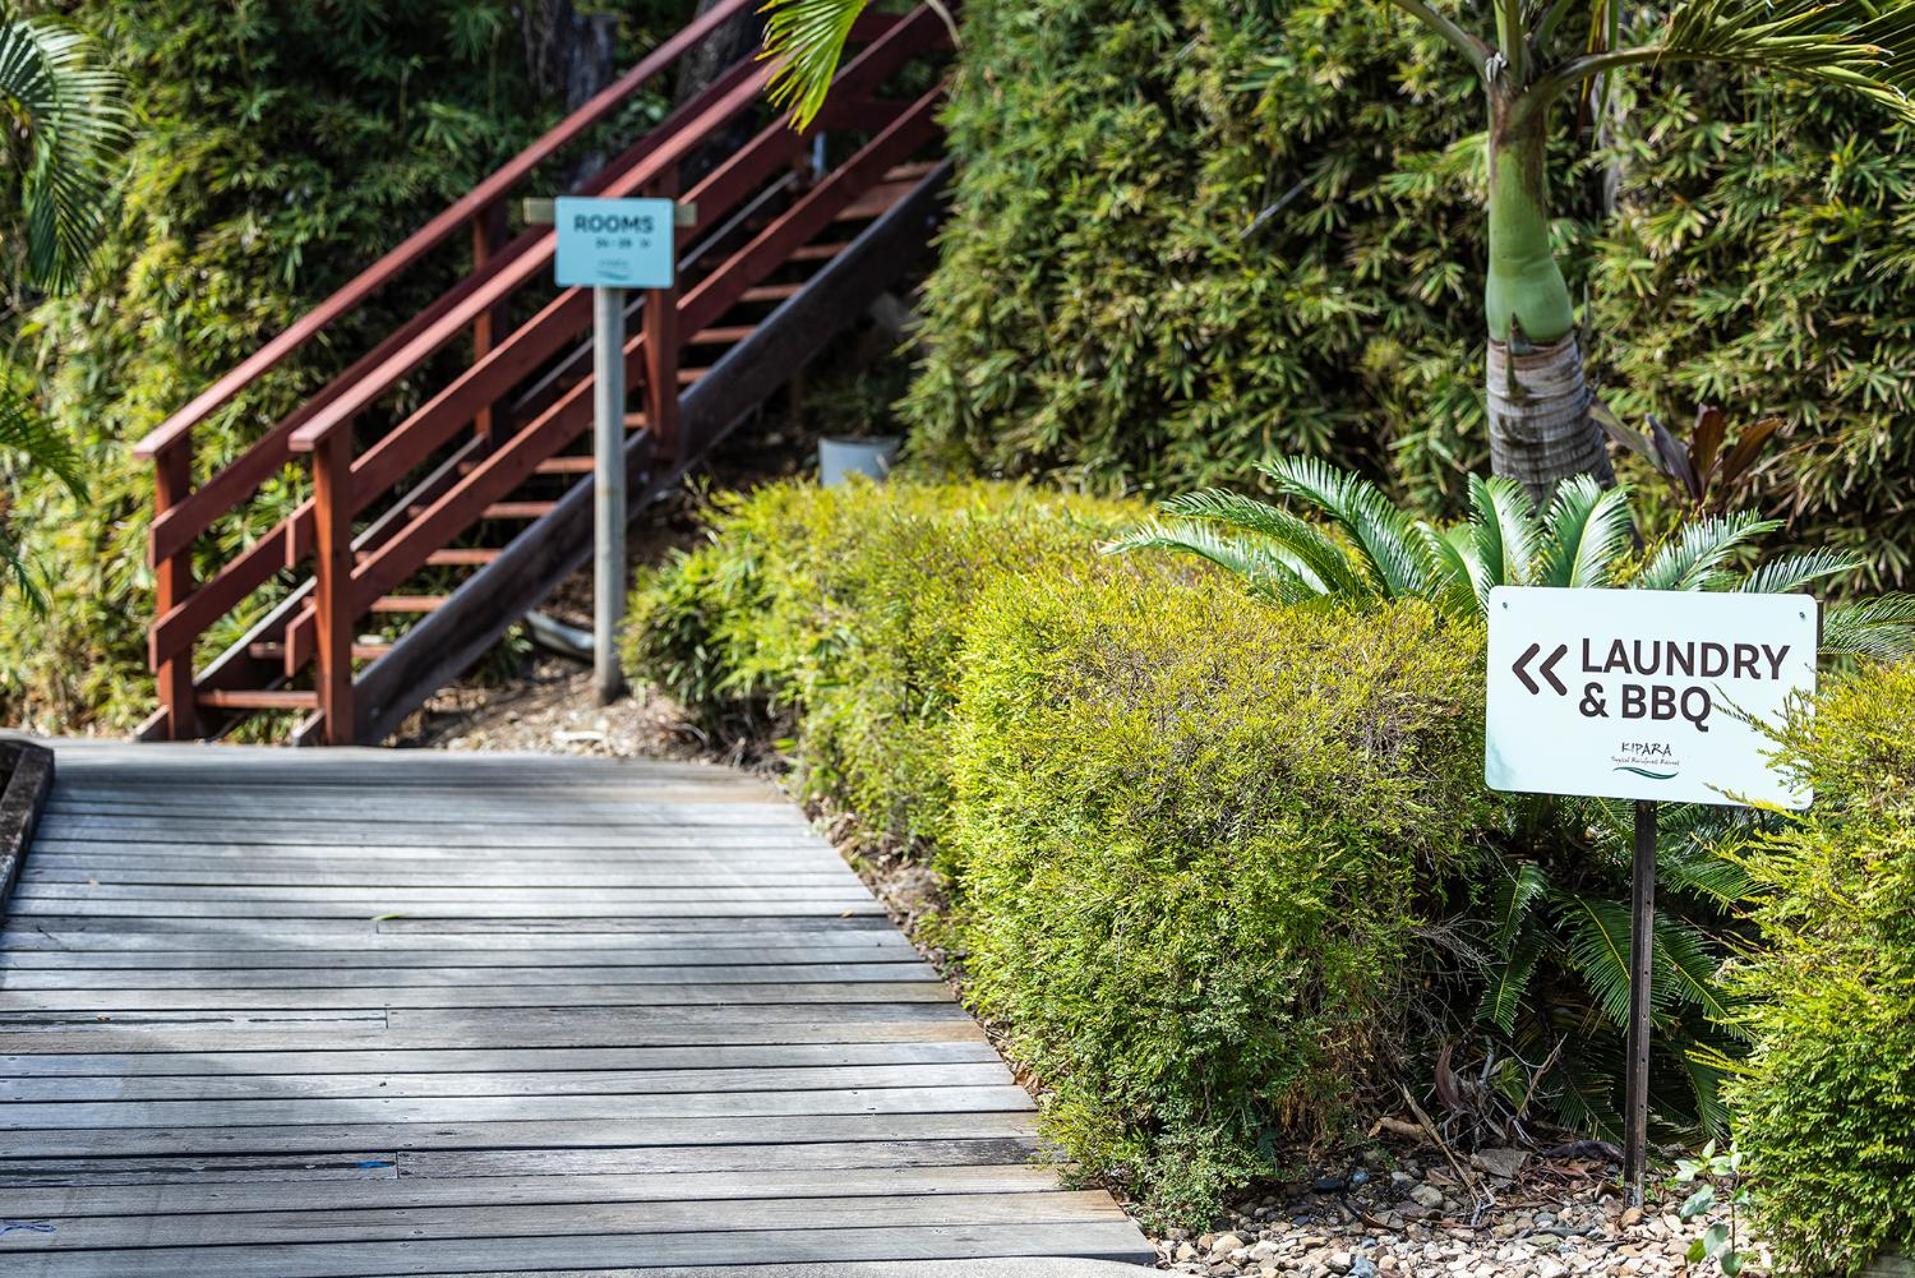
<point x="322" y="978"/>
<point x="530" y="899"/>
<point x="1096" y="1239"/>
<point x="329" y="1111"/>
<point x="395" y="953"/>
<point x="66" y="1203"/>
<point x="546" y="1220"/>
<point x="27" y="1002"/>
<point x="159" y="873"/>
<point x="342" y="1063"/>
<point x="266" y="1033"/>
<point x="28" y="908"/>
<point x="758" y="1129"/>
<point x="502" y="1082"/>
<point x="663" y="847"/>
<point x="163" y="935"/>
<point x="197" y="1171"/>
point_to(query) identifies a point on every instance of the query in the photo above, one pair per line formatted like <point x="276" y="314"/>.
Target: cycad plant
<point x="1532" y="57"/>
<point x="68" y="127"/>
<point x="1544" y="936"/>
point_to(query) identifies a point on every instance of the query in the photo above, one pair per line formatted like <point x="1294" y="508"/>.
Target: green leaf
<point x="1695" y="1204"/>
<point x="807" y="38"/>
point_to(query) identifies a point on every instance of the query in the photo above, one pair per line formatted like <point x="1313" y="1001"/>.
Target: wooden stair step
<point x="519" y="509"/>
<point x="723" y="335"/>
<point x="258" y="699"/>
<point x="686" y="376"/>
<point x="409" y="603"/>
<point x="771" y="292"/>
<point x="876" y="202"/>
<point x="912" y="172"/>
<point x="462" y="557"/>
<point x="566" y="464"/>
<point x="817" y="252"/>
<point x="277" y="651"/>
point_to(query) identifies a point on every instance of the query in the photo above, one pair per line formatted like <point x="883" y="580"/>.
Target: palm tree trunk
<point x="1540" y="430"/>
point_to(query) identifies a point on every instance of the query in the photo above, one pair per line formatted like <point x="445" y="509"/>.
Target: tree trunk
<point x="572" y="55"/>
<point x="1540" y="430"/>
<point x="736" y="38"/>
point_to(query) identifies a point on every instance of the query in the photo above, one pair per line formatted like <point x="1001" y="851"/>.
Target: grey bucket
<point x="839" y="459"/>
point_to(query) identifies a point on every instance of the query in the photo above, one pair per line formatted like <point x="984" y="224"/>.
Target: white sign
<point x="613" y="243"/>
<point x="1644" y="694"/>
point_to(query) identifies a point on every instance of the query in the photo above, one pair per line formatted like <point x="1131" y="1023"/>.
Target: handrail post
<point x="660" y="328"/>
<point x="172" y="583"/>
<point x="488" y="234"/>
<point x="332" y="547"/>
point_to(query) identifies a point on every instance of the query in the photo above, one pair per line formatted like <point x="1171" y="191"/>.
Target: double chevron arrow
<point x="1547" y="670"/>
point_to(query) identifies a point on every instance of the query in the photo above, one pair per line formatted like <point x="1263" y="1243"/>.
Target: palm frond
<point x="1792" y="572"/>
<point x="79" y="127"/>
<point x="1689" y="560"/>
<point x="1859" y="44"/>
<point x="1882" y="628"/>
<point x="1503" y="520"/>
<point x="26" y="430"/>
<point x="1380" y="532"/>
<point x="23" y="575"/>
<point x="1327" y="563"/>
<point x="807" y="38"/>
<point x="1263" y="569"/>
<point x="1587" y="526"/>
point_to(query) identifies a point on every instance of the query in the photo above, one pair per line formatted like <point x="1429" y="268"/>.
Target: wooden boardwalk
<point x="271" y="1013"/>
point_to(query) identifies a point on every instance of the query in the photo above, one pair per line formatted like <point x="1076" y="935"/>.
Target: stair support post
<point x="333" y="589"/>
<point x="488" y="234"/>
<point x="660" y="351"/>
<point x="172" y="583"/>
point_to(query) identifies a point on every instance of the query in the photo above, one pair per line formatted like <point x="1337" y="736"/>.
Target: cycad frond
<point x="1689" y="560"/>
<point x="1380" y="531"/>
<point x="1452" y="567"/>
<point x="1685" y="970"/>
<point x="79" y="128"/>
<point x="1503" y="519"/>
<point x="1792" y="572"/>
<point x="807" y="37"/>
<point x="1598" y="932"/>
<point x="1587" y="526"/>
<point x="1516" y="891"/>
<point x="1264" y="571"/>
<point x="1328" y="563"/>
<point x="1508" y="981"/>
<point x="1882" y="628"/>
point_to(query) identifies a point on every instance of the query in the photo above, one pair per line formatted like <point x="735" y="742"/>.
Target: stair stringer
<point x="449" y="640"/>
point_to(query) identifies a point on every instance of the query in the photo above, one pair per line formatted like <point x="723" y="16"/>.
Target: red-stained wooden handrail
<point x="474" y="202"/>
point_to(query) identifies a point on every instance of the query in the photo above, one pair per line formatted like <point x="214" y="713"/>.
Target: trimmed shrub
<point x="848" y="605"/>
<point x="1826" y="1110"/>
<point x="1186" y="853"/>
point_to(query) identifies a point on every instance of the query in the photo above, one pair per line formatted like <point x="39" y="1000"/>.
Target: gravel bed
<point x="1517" y="1215"/>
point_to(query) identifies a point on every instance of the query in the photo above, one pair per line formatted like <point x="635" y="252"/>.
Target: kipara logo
<point x="1655" y="760"/>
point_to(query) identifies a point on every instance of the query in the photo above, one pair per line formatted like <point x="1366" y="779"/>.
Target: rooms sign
<point x="1644" y="694"/>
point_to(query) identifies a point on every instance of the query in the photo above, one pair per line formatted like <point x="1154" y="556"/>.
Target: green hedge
<point x="1247" y="800"/>
<point x="1187" y="849"/>
<point x="848" y="605"/>
<point x="1189" y="236"/>
<point x="1826" y="1113"/>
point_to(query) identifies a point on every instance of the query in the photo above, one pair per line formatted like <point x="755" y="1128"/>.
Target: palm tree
<point x="68" y="126"/>
<point x="1537" y="55"/>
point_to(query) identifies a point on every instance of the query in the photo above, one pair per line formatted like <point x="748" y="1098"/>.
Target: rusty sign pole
<point x="1642" y="956"/>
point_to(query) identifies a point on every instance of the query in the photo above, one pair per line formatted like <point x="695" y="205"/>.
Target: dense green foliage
<point x="1187" y="847"/>
<point x="1826" y="1113"/>
<point x="284" y="144"/>
<point x="1190" y="236"/>
<point x="849" y="605"/>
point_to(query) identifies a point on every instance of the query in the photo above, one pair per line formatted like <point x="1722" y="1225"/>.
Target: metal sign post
<point x="611" y="247"/>
<point x="1652" y="696"/>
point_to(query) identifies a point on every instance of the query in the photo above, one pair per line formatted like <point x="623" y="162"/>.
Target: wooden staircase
<point x="446" y="522"/>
